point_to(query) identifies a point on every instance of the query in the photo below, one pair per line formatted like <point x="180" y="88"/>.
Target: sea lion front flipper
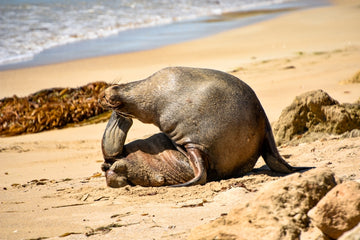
<point x="114" y="136"/>
<point x="198" y="164"/>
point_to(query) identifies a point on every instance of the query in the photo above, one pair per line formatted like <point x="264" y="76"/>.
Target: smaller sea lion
<point x="154" y="161"/>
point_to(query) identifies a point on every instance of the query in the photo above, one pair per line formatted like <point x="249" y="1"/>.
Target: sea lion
<point x="154" y="161"/>
<point x="213" y="127"/>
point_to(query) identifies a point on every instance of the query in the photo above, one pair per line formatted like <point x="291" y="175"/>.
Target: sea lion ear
<point x="112" y="90"/>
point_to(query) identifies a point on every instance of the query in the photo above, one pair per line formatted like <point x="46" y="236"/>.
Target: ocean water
<point x="31" y="27"/>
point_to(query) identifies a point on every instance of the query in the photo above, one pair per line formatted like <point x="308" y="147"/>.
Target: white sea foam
<point x="27" y="27"/>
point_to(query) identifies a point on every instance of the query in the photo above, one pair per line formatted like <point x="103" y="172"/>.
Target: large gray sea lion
<point x="213" y="127"/>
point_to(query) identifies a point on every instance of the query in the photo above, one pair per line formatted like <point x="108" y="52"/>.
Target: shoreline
<point x="147" y="38"/>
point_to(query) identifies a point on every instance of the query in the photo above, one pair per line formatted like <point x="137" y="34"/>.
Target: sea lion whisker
<point x="124" y="114"/>
<point x="107" y="103"/>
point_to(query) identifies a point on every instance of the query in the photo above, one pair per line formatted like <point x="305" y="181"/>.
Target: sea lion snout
<point x="115" y="174"/>
<point x="115" y="180"/>
<point x="110" y="97"/>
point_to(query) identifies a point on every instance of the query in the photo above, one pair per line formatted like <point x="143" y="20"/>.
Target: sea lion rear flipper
<point x="197" y="163"/>
<point x="273" y="158"/>
<point x="114" y="136"/>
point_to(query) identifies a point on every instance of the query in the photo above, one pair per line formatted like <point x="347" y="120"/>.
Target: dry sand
<point x="49" y="181"/>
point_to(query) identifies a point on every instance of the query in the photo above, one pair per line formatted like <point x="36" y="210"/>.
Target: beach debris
<point x="16" y="185"/>
<point x="101" y="198"/>
<point x="66" y="180"/>
<point x="70" y="205"/>
<point x="120" y="215"/>
<point x="192" y="203"/>
<point x="15" y="148"/>
<point x="153" y="193"/>
<point x="96" y="175"/>
<point x="68" y="234"/>
<point x="85" y="197"/>
<point x="107" y="228"/>
<point x="52" y="108"/>
<point x="289" y="67"/>
<point x="238" y="69"/>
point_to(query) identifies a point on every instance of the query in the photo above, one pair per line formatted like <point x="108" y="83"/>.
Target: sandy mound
<point x="314" y="113"/>
<point x="277" y="212"/>
<point x="352" y="80"/>
<point x="281" y="210"/>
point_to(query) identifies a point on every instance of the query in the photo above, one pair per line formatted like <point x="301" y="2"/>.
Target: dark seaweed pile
<point x="51" y="108"/>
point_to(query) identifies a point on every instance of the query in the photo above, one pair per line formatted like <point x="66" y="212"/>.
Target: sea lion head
<point x="114" y="97"/>
<point x="111" y="98"/>
<point x="132" y="100"/>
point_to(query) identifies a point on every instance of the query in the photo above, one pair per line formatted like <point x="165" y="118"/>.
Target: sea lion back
<point x="216" y="111"/>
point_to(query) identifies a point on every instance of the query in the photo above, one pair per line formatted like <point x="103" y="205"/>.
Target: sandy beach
<point x="51" y="182"/>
